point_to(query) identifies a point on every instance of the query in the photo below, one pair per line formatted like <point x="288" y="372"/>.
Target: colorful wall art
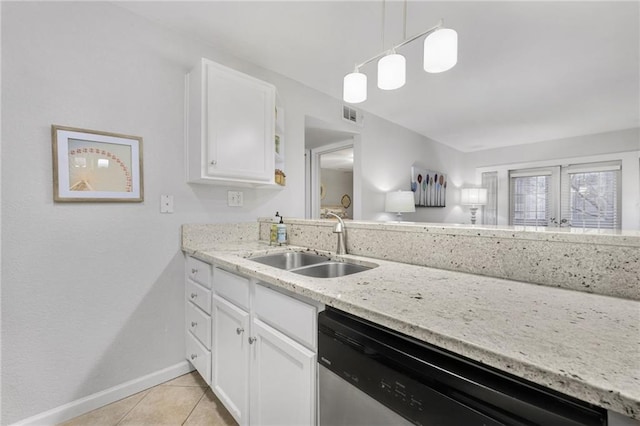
<point x="429" y="187"/>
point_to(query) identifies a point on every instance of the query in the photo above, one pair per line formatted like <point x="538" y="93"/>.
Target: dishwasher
<point x="371" y="375"/>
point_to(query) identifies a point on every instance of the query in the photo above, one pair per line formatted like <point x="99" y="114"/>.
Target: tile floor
<point x="185" y="400"/>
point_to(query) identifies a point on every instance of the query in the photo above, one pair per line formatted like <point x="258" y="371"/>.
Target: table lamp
<point x="473" y="197"/>
<point x="399" y="202"/>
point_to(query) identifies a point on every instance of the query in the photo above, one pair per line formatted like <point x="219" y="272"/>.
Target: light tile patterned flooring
<point x="185" y="400"/>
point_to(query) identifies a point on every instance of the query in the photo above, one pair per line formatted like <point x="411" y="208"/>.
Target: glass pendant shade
<point x="391" y="71"/>
<point x="440" y="50"/>
<point x="354" y="89"/>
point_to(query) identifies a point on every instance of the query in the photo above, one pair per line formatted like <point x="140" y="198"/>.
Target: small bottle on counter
<point x="281" y="232"/>
<point x="273" y="232"/>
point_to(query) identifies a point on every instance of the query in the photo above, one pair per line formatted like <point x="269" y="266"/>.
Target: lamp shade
<point x="399" y="202"/>
<point x="354" y="89"/>
<point x="473" y="196"/>
<point x="391" y="71"/>
<point x="440" y="50"/>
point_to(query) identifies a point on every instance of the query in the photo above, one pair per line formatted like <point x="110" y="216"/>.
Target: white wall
<point x="595" y="144"/>
<point x="92" y="294"/>
<point x="389" y="153"/>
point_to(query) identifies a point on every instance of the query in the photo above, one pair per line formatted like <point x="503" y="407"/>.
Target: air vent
<point x="352" y="115"/>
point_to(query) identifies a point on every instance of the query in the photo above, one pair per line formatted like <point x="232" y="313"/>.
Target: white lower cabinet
<point x="255" y="346"/>
<point x="197" y="316"/>
<point x="283" y="379"/>
<point x="230" y="357"/>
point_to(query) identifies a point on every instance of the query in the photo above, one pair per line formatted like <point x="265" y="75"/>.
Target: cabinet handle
<point x="214" y="162"/>
<point x="194" y="356"/>
<point x="194" y="271"/>
<point x="239" y="330"/>
<point x="194" y="295"/>
<point x="193" y="323"/>
<point x="251" y="340"/>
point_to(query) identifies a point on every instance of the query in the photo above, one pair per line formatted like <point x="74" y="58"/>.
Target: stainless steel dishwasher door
<point x="342" y="404"/>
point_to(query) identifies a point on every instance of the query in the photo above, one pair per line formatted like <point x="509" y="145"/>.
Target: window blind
<point x="530" y="199"/>
<point x="591" y="195"/>
<point x="490" y="210"/>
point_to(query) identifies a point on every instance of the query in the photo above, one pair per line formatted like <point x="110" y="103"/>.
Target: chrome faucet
<point x="340" y="229"/>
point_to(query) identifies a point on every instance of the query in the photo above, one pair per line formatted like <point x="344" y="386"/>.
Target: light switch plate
<point x="166" y="204"/>
<point x="235" y="199"/>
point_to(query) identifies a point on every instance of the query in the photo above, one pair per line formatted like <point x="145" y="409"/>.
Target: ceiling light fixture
<point x="440" y="54"/>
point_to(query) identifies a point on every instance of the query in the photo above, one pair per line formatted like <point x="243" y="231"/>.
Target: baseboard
<point x="107" y="396"/>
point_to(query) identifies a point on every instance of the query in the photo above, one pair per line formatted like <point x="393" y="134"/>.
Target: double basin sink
<point x="310" y="264"/>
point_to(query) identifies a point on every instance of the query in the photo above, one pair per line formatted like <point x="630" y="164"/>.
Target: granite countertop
<point x="580" y="344"/>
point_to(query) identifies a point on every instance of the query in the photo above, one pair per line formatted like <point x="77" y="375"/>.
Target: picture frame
<point x="95" y="166"/>
<point x="429" y="187"/>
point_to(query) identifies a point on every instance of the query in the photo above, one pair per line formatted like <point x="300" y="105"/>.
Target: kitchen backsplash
<point x="589" y="261"/>
<point x="203" y="236"/>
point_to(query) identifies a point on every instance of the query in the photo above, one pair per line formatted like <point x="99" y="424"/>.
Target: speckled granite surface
<point x="593" y="261"/>
<point x="584" y="345"/>
<point x="199" y="236"/>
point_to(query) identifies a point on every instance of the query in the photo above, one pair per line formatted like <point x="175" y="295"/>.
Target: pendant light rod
<point x="404" y="20"/>
<point x="407" y="41"/>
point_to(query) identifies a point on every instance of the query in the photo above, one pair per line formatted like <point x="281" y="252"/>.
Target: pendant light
<point x="392" y="67"/>
<point x="440" y="54"/>
<point x="391" y="71"/>
<point x="440" y="50"/>
<point x="354" y="89"/>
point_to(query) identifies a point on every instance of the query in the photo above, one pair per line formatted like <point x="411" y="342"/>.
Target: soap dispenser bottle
<point x="281" y="232"/>
<point x="273" y="232"/>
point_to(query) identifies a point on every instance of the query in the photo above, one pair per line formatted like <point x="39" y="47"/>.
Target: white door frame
<point x="314" y="184"/>
<point x="307" y="183"/>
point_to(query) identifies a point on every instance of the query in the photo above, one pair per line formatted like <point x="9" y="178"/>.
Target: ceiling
<point x="526" y="72"/>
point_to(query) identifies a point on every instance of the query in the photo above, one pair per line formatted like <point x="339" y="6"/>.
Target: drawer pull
<point x="193" y="323"/>
<point x="239" y="330"/>
<point x="194" y="271"/>
<point x="194" y="295"/>
<point x="194" y="356"/>
<point x="251" y="340"/>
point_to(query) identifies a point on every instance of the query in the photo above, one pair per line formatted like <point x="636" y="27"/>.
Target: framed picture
<point x="95" y="166"/>
<point x="429" y="187"/>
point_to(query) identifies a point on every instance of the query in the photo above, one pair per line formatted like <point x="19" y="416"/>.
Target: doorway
<point x="331" y="171"/>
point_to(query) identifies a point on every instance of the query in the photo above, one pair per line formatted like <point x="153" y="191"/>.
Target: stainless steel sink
<point x="331" y="270"/>
<point x="290" y="260"/>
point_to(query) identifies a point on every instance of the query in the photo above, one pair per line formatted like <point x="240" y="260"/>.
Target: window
<point x="530" y="197"/>
<point x="589" y="196"/>
<point x="490" y="210"/>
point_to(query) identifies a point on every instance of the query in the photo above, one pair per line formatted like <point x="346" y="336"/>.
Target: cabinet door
<point x="283" y="379"/>
<point x="239" y="125"/>
<point x="230" y="357"/>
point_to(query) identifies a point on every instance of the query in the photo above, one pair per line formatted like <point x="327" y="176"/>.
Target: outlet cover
<point x="235" y="199"/>
<point x="166" y="204"/>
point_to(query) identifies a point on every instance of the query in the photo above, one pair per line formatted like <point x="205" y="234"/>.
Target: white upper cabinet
<point x="231" y="127"/>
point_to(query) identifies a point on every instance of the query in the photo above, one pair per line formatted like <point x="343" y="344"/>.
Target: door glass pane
<point x="593" y="200"/>
<point x="490" y="210"/>
<point x="530" y="200"/>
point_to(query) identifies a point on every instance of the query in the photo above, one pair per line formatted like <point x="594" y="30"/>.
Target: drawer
<point x="293" y="317"/>
<point x="199" y="323"/>
<point x="199" y="271"/>
<point x="232" y="287"/>
<point x="199" y="295"/>
<point x="199" y="357"/>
